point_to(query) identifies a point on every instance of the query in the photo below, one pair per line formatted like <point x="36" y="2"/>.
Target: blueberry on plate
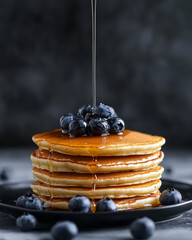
<point x="65" y="230"/>
<point x="104" y="111"/>
<point x="106" y="205"/>
<point x="34" y="203"/>
<point x="30" y="202"/>
<point x="21" y="201"/>
<point x="77" y="128"/>
<point x="65" y="120"/>
<point x="98" y="127"/>
<point x="26" y="222"/>
<point x="85" y="109"/>
<point x="80" y="204"/>
<point x="117" y="125"/>
<point x="170" y="196"/>
<point x="142" y="228"/>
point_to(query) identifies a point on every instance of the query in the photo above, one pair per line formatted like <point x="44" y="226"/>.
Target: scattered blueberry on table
<point x="5" y="174"/>
<point x="79" y="204"/>
<point x="106" y="205"/>
<point x="65" y="230"/>
<point x="26" y="222"/>
<point x="168" y="170"/>
<point x="142" y="228"/>
<point x="170" y="196"/>
<point x="100" y="120"/>
<point x="30" y="202"/>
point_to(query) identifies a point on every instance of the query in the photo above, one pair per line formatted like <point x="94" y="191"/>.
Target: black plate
<point x="11" y="191"/>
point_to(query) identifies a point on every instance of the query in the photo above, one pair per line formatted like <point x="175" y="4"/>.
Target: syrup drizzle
<point x="50" y="173"/>
<point x="92" y="168"/>
<point x="93" y="6"/>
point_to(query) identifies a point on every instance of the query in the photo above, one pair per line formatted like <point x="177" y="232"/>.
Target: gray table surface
<point x="180" y="163"/>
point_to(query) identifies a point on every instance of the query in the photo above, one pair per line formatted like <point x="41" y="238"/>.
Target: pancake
<point x="100" y="180"/>
<point x="151" y="200"/>
<point x="121" y="167"/>
<point x="129" y="143"/>
<point x="56" y="162"/>
<point x="142" y="189"/>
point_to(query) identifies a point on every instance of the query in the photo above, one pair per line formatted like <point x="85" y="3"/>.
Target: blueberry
<point x="106" y="205"/>
<point x="80" y="204"/>
<point x="26" y="222"/>
<point x="21" y="201"/>
<point x="30" y="202"/>
<point x="77" y="128"/>
<point x="89" y="117"/>
<point x="142" y="228"/>
<point x="168" y="170"/>
<point x="85" y="109"/>
<point x="104" y="111"/>
<point x="170" y="196"/>
<point x="98" y="127"/>
<point x="65" y="120"/>
<point x="65" y="230"/>
<point x="117" y="125"/>
<point x="34" y="203"/>
<point x="5" y="174"/>
<point x="77" y="116"/>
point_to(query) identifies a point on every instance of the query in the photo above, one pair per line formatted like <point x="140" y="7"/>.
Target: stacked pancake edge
<point x="124" y="168"/>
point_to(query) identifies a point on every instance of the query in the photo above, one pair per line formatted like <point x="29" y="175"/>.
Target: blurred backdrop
<point x="144" y="65"/>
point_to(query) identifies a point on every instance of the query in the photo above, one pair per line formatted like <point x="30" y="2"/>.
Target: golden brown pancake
<point x="142" y="189"/>
<point x="56" y="162"/>
<point x="121" y="167"/>
<point x="151" y="200"/>
<point x="129" y="143"/>
<point x="100" y="180"/>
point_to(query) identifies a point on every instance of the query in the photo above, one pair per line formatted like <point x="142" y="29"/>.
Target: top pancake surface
<point x="130" y="143"/>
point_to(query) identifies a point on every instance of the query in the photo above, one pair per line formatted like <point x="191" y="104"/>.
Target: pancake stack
<point x="123" y="167"/>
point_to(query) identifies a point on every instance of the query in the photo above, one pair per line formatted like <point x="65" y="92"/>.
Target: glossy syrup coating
<point x="129" y="143"/>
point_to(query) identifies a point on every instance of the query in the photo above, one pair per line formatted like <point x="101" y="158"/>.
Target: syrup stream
<point x="93" y="6"/>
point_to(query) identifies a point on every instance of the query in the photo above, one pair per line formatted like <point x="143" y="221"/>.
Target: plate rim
<point x="62" y="212"/>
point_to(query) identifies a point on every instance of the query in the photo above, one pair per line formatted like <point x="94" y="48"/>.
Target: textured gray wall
<point x="144" y="65"/>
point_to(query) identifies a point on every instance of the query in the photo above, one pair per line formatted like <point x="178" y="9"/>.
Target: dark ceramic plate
<point x="11" y="191"/>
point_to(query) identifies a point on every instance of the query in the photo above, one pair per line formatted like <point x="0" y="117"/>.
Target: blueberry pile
<point x="101" y="120"/>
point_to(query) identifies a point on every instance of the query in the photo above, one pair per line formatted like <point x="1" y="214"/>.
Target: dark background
<point x="144" y="65"/>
